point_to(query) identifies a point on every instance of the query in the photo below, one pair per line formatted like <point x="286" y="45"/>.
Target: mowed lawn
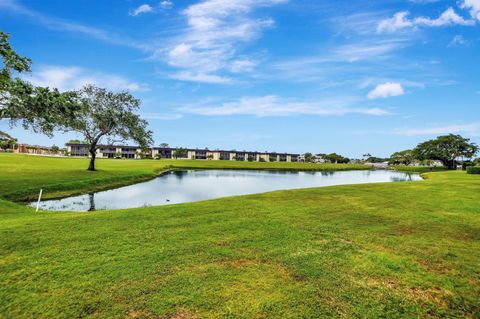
<point x="393" y="250"/>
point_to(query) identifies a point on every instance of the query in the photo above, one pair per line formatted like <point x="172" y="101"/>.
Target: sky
<point x="351" y="77"/>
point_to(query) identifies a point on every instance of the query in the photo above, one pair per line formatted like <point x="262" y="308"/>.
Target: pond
<point x="196" y="185"/>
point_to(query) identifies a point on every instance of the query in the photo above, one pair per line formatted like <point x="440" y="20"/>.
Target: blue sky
<point x="279" y="75"/>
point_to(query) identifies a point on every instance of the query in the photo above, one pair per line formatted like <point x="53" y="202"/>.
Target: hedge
<point x="473" y="170"/>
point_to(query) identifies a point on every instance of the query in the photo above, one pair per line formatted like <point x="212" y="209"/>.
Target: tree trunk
<point x="93" y="154"/>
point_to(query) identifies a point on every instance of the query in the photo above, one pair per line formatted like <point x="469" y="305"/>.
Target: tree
<point x="374" y="159"/>
<point x="164" y="145"/>
<point x="6" y="141"/>
<point x="104" y="114"/>
<point x="404" y="157"/>
<point x="335" y="158"/>
<point x="40" y="109"/>
<point x="180" y="153"/>
<point x="308" y="157"/>
<point x="55" y="149"/>
<point x="447" y="149"/>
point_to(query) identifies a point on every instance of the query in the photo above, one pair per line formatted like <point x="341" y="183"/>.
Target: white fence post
<point x="39" y="198"/>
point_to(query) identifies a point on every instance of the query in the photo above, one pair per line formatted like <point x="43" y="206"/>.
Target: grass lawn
<point x="393" y="250"/>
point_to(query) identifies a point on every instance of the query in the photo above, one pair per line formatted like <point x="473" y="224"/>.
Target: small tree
<point x="180" y="153"/>
<point x="404" y="157"/>
<point x="55" y="149"/>
<point x="250" y="158"/>
<point x="308" y="157"/>
<point x="118" y="154"/>
<point x="6" y="141"/>
<point x="164" y="145"/>
<point x="104" y="114"/>
<point x="447" y="149"/>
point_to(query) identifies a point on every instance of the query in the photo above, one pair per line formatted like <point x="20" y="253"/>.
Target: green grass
<point x="393" y="250"/>
<point x="418" y="169"/>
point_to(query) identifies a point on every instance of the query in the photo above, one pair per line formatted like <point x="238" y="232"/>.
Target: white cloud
<point x="144" y="8"/>
<point x="448" y="17"/>
<point x="209" y="44"/>
<point x="473" y="6"/>
<point x="161" y="116"/>
<point x="458" y="40"/>
<point x="200" y="77"/>
<point x="400" y="21"/>
<point x="72" y="78"/>
<point x="385" y="90"/>
<point x="397" y="22"/>
<point x="272" y="105"/>
<point x="167" y="4"/>
<point x="68" y="26"/>
<point x="472" y="129"/>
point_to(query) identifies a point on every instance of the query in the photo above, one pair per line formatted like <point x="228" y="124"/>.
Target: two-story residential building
<point x="135" y="152"/>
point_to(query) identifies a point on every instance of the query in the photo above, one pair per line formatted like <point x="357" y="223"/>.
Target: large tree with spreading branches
<point x="448" y="149"/>
<point x="105" y="115"/>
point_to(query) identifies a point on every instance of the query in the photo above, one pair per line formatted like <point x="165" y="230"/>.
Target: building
<point x="135" y="152"/>
<point x="38" y="150"/>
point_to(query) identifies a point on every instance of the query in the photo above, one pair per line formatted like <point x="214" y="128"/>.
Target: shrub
<point x="473" y="170"/>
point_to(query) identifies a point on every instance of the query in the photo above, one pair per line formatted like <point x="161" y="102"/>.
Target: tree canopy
<point x="41" y="109"/>
<point x="448" y="149"/>
<point x="107" y="115"/>
<point x="7" y="141"/>
<point x="403" y="157"/>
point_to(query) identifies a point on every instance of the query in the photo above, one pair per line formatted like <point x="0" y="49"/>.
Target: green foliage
<point x="391" y="250"/>
<point x="336" y="158"/>
<point x="446" y="149"/>
<point x="308" y="157"/>
<point x="373" y="159"/>
<point x="473" y="169"/>
<point x="77" y="142"/>
<point x="118" y="155"/>
<point x="406" y="157"/>
<point x="41" y="109"/>
<point x="55" y="149"/>
<point x="6" y="141"/>
<point x="180" y="153"/>
<point x="105" y="114"/>
<point x="250" y="158"/>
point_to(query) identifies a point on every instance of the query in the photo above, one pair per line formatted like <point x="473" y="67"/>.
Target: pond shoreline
<point x="190" y="185"/>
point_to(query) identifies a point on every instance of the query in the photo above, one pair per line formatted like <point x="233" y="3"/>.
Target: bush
<point x="473" y="170"/>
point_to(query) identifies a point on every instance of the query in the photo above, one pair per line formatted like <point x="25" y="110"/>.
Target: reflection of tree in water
<point x="91" y="198"/>
<point x="403" y="178"/>
<point x="179" y="174"/>
<point x="327" y="173"/>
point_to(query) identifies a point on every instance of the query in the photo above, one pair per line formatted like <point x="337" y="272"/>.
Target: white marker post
<point x="39" y="198"/>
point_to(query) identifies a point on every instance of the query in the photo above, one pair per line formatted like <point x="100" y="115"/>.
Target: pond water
<point x="195" y="185"/>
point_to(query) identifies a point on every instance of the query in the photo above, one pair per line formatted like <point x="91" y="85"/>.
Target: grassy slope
<point x="402" y="250"/>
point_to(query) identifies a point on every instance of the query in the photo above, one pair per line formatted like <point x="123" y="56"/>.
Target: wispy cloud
<point x="147" y="8"/>
<point x="472" y="129"/>
<point x="400" y="21"/>
<point x="141" y="9"/>
<point x="209" y="43"/>
<point x="161" y="116"/>
<point x="272" y="105"/>
<point x="69" y="26"/>
<point x="458" y="40"/>
<point x="72" y="78"/>
<point x="385" y="90"/>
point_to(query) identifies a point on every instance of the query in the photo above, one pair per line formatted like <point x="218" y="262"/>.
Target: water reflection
<point x="195" y="185"/>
